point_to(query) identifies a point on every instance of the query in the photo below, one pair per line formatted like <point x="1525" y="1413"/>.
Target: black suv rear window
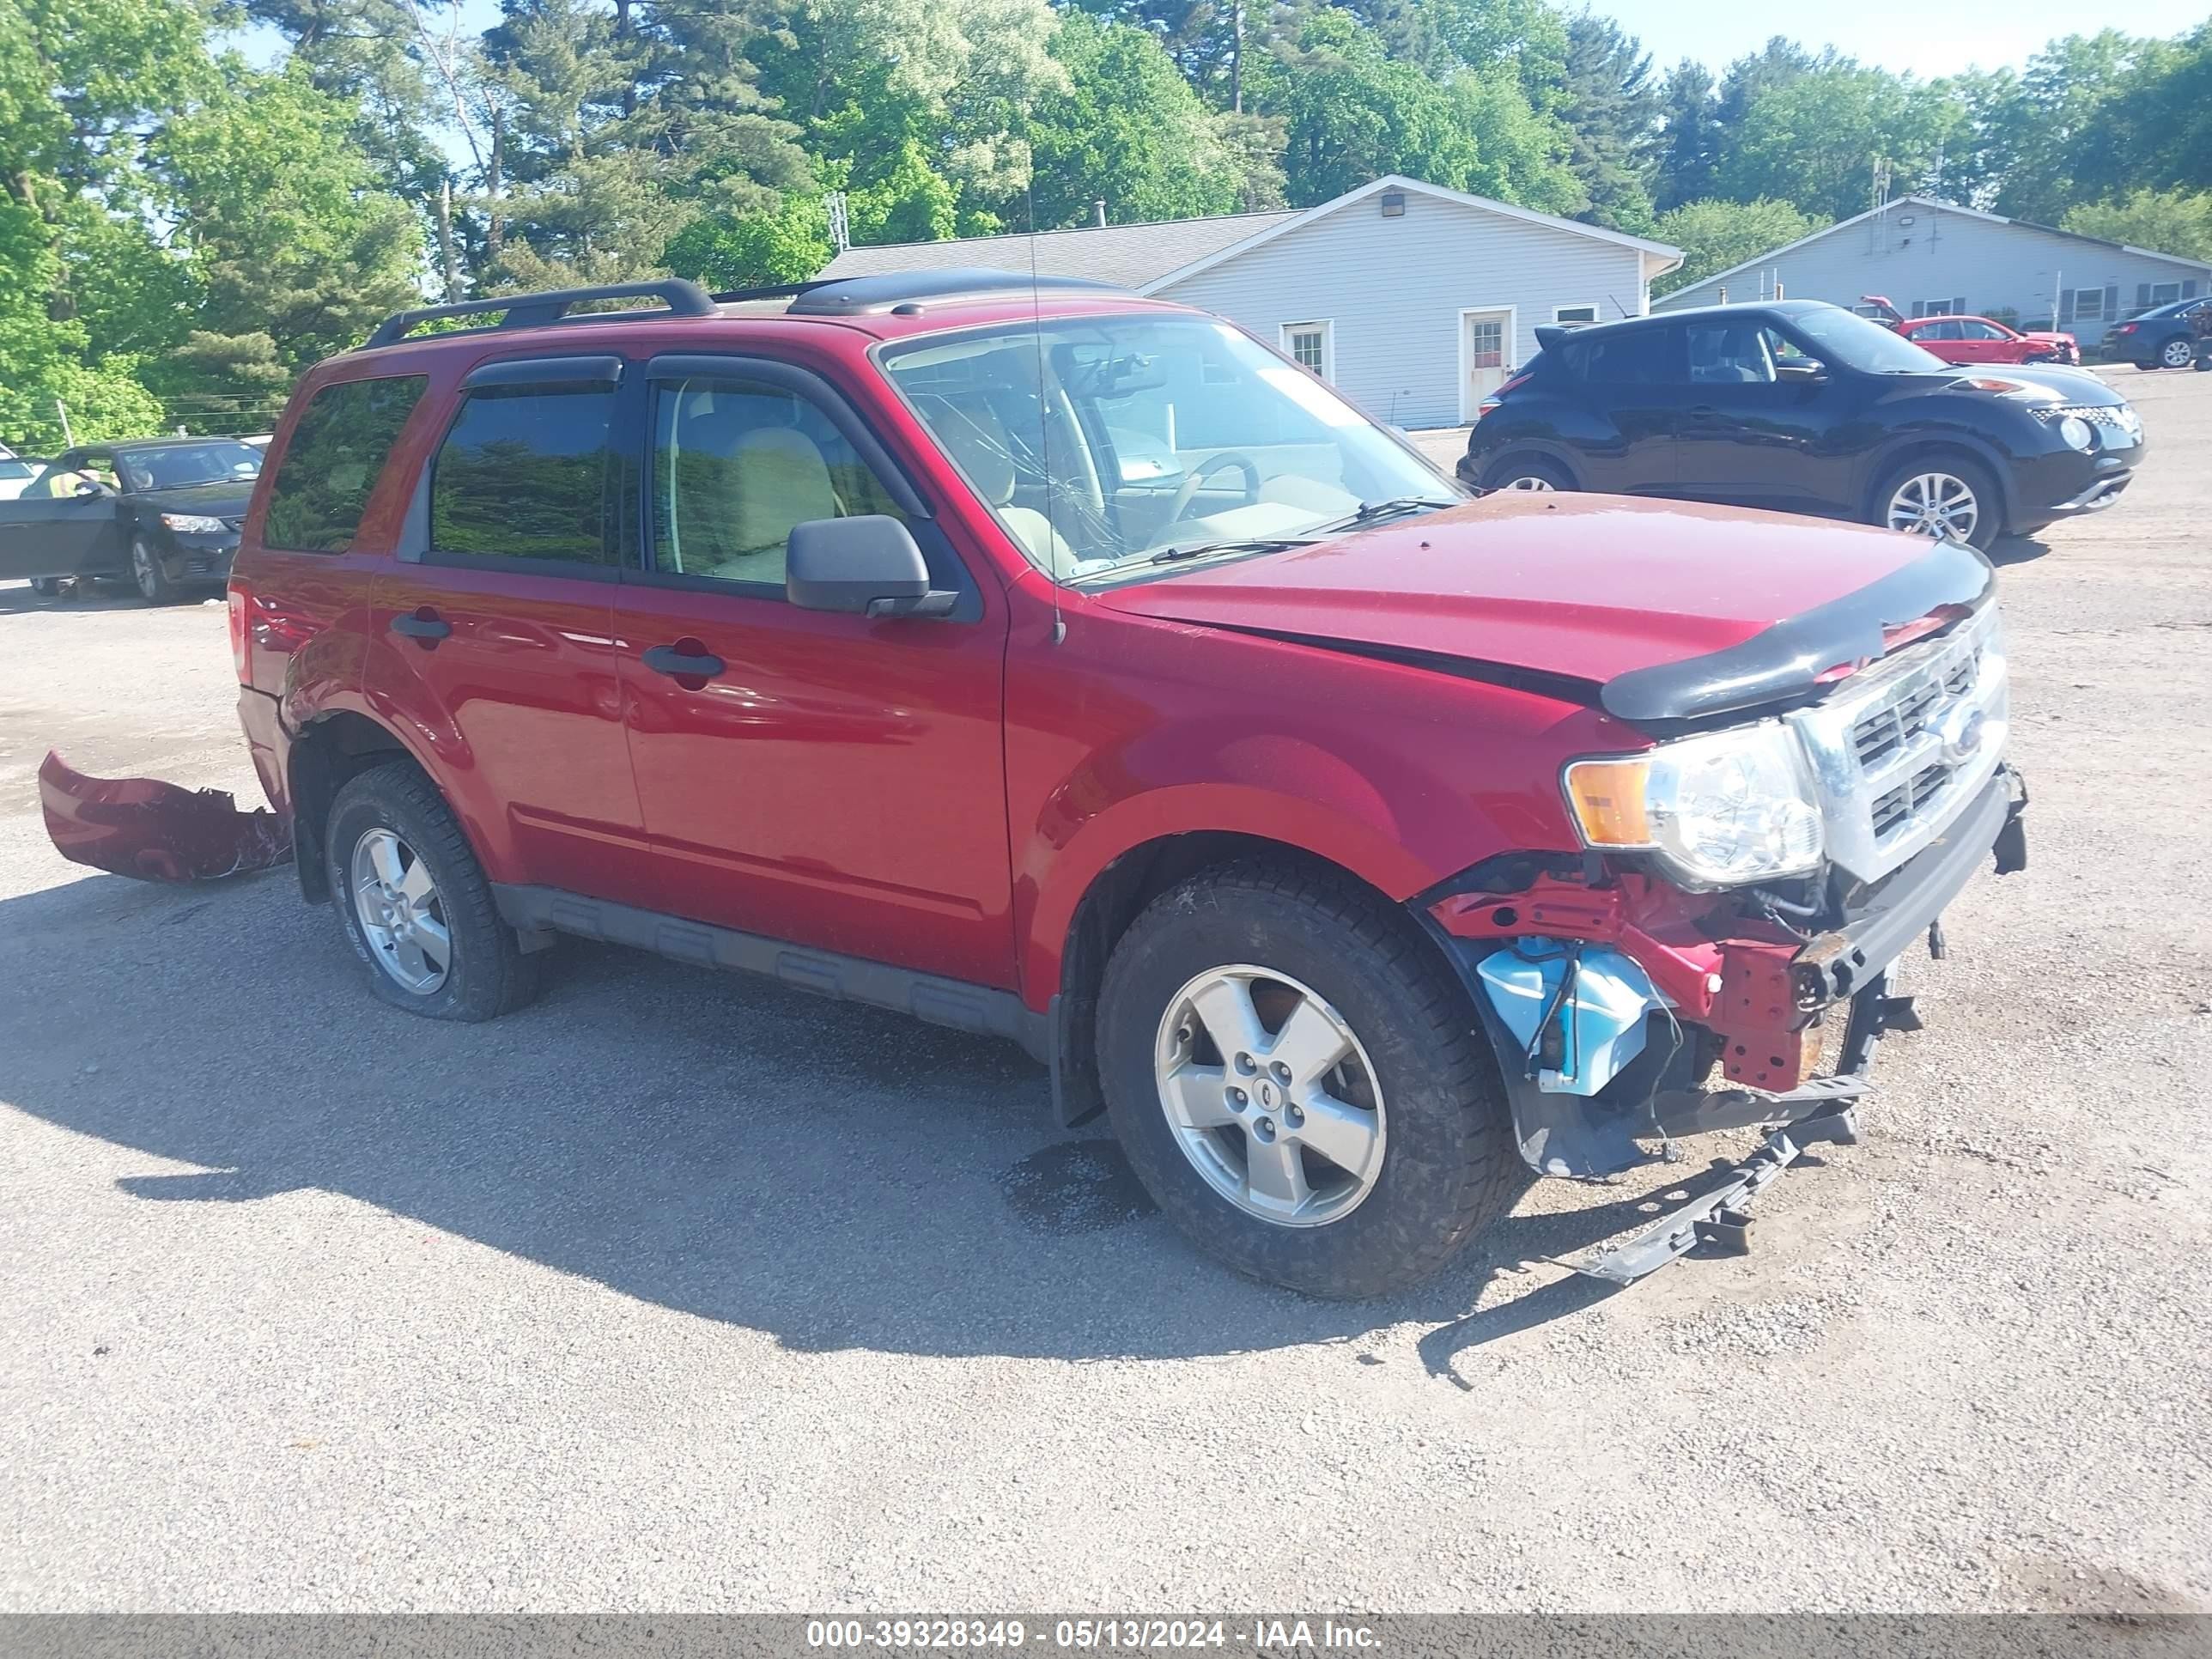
<point x="340" y="444"/>
<point x="524" y="474"/>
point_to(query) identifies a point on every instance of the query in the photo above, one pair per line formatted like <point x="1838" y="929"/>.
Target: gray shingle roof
<point x="1130" y="255"/>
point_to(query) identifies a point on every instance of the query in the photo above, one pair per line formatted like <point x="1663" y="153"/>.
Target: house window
<point x="1948" y="307"/>
<point x="2164" y="293"/>
<point x="1574" y="313"/>
<point x="1394" y="204"/>
<point x="1310" y="347"/>
<point x="2089" y="305"/>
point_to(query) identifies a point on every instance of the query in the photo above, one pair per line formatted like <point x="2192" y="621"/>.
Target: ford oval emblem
<point x="1960" y="734"/>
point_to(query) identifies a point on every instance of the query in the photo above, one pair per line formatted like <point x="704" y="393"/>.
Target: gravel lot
<point x="678" y="1292"/>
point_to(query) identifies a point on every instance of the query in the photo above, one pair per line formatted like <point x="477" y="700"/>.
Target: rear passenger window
<point x="526" y="473"/>
<point x="1644" y="356"/>
<point x="735" y="464"/>
<point x="338" y="447"/>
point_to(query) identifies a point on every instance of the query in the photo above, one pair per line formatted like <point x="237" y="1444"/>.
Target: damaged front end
<point x="155" y="831"/>
<point x="1632" y="998"/>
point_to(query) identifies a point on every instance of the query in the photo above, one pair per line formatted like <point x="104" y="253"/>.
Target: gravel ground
<point x="674" y="1291"/>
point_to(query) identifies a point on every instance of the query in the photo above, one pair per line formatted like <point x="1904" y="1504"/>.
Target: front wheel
<point x="414" y="903"/>
<point x="1298" y="1082"/>
<point x="147" y="573"/>
<point x="1942" y="495"/>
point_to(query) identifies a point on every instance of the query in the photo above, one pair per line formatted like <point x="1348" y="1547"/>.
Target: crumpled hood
<point x="1609" y="594"/>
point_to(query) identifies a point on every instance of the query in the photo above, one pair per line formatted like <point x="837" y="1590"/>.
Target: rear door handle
<point x="676" y="664"/>
<point x="425" y="625"/>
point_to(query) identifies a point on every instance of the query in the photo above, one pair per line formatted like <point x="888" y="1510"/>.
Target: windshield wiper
<point x="194" y="484"/>
<point x="1369" y="512"/>
<point x="1229" y="544"/>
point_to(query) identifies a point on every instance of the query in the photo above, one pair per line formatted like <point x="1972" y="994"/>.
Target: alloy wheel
<point x="1270" y="1095"/>
<point x="1528" y="481"/>
<point x="144" y="572"/>
<point x="395" y="900"/>
<point x="2177" y="354"/>
<point x="1935" y="504"/>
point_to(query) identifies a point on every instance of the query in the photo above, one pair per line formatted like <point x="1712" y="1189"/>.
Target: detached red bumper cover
<point x="157" y="832"/>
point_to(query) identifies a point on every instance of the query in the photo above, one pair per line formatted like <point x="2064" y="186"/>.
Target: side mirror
<point x="87" y="490"/>
<point x="868" y="564"/>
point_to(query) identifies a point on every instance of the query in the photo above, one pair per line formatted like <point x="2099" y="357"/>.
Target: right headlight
<point x="1717" y="810"/>
<point x="2075" y="432"/>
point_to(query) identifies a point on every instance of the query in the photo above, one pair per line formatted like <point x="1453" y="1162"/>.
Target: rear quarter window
<point x="338" y="448"/>
<point x="1644" y="356"/>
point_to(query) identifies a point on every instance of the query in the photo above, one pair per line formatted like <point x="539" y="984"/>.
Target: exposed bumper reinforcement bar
<point x="1721" y="1219"/>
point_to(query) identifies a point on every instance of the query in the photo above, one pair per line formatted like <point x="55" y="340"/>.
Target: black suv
<point x="163" y="512"/>
<point x="1800" y="405"/>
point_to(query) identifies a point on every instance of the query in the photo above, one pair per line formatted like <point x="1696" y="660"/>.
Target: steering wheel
<point x="1204" y="470"/>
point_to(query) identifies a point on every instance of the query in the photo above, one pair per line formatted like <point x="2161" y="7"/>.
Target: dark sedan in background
<point x="163" y="513"/>
<point x="2165" y="336"/>
<point x="1800" y="405"/>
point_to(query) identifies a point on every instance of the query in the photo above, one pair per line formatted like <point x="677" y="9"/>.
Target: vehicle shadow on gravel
<point x="834" y="1176"/>
<point x="2017" y="550"/>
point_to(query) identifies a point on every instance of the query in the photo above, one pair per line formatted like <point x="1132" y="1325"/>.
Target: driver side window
<point x="735" y="464"/>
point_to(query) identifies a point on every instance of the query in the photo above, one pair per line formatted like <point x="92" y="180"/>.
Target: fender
<point x="392" y="697"/>
<point x="1934" y="434"/>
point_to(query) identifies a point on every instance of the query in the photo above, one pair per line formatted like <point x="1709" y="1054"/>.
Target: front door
<point x="1755" y="426"/>
<point x="68" y="537"/>
<point x="495" y="627"/>
<point x="823" y="778"/>
<point x="1485" y="357"/>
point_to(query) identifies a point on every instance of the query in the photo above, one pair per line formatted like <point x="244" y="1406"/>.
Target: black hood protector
<point x="1782" y="664"/>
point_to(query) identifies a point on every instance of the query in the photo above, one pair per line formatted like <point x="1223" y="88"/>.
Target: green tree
<point x="1127" y="128"/>
<point x="1611" y="110"/>
<point x="1721" y="236"/>
<point x="2054" y="137"/>
<point x="1690" y="136"/>
<point x="43" y="362"/>
<point x="1350" y="114"/>
<point x="1811" y="140"/>
<point x="296" y="250"/>
<point x="789" y="244"/>
<point x="2163" y="220"/>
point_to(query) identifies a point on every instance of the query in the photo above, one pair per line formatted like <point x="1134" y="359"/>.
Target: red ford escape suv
<point x="1044" y="661"/>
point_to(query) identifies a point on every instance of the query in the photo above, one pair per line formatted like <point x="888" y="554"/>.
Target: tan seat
<point x="744" y="479"/>
<point x="971" y="431"/>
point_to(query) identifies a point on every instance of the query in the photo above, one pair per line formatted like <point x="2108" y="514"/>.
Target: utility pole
<point x="69" y="438"/>
<point x="1236" y="57"/>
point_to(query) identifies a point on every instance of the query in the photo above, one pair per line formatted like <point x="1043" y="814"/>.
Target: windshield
<point x="12" y="468"/>
<point x="218" y="461"/>
<point x="1106" y="444"/>
<point x="1838" y="336"/>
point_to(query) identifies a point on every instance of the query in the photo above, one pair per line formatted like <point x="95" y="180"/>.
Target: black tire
<point x="1449" y="1164"/>
<point x="46" y="587"/>
<point x="1508" y="470"/>
<point x="1988" y="522"/>
<point x="147" y="575"/>
<point x="486" y="975"/>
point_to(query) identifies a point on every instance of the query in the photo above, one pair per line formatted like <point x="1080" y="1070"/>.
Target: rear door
<point x="1629" y="383"/>
<point x="495" y="621"/>
<point x="827" y="779"/>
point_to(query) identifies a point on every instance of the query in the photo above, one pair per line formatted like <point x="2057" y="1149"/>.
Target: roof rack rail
<point x="855" y="296"/>
<point x="537" y="310"/>
<point x="777" y="291"/>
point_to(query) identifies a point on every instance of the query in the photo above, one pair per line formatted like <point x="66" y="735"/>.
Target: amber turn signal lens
<point x="1609" y="797"/>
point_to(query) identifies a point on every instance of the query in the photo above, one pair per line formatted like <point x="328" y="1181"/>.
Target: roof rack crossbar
<point x="776" y="291"/>
<point x="682" y="299"/>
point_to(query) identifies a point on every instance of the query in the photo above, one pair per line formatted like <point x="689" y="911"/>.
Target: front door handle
<point x="423" y="624"/>
<point x="677" y="663"/>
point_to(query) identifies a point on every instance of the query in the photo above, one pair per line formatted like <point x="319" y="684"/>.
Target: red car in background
<point x="1975" y="340"/>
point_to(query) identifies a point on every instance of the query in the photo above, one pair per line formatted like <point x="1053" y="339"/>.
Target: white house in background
<point x="1415" y="300"/>
<point x="1930" y="259"/>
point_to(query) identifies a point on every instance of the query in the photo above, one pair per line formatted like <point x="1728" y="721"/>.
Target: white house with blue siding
<point x="1934" y="258"/>
<point x="1415" y="300"/>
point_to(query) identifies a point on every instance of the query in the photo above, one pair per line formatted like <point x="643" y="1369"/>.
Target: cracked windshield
<point x="1111" y="448"/>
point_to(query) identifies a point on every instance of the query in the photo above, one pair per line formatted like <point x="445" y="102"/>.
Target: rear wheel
<point x="1526" y="472"/>
<point x="146" y="572"/>
<point x="1941" y="495"/>
<point x="46" y="587"/>
<point x="2176" y="354"/>
<point x="414" y="903"/>
<point x="1296" y="1081"/>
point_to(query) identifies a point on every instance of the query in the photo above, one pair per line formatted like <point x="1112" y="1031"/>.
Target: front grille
<point x="2119" y="418"/>
<point x="1901" y="747"/>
